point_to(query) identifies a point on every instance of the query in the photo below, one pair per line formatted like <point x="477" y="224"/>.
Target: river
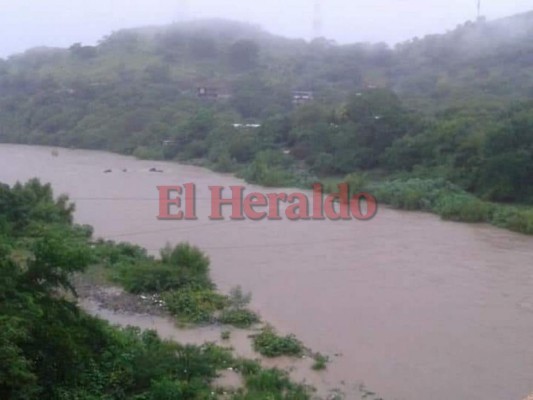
<point x="419" y="308"/>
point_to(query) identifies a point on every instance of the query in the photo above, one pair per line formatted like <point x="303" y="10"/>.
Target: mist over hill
<point x="443" y="106"/>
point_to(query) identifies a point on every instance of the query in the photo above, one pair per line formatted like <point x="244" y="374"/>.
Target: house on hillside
<point x="302" y="97"/>
<point x="208" y="93"/>
<point x="246" y="126"/>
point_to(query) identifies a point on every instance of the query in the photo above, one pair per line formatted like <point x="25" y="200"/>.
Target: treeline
<point x="454" y="108"/>
<point x="50" y="349"/>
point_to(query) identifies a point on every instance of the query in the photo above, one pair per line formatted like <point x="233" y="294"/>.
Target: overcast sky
<point x="30" y="23"/>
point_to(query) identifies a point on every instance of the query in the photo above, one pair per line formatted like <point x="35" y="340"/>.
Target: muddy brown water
<point x="419" y="308"/>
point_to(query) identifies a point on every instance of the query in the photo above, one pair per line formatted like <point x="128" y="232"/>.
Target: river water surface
<point x="417" y="308"/>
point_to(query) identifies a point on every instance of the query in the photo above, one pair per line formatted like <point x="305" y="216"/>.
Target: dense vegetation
<point x="270" y="344"/>
<point x="180" y="278"/>
<point x="444" y="111"/>
<point x="50" y="349"/>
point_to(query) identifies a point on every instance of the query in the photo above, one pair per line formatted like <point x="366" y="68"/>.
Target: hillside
<point x="444" y="106"/>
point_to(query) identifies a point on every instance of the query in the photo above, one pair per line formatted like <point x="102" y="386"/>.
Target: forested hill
<point x="455" y="106"/>
<point x="476" y="61"/>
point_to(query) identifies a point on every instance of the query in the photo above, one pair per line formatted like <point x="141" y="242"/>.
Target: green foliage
<point x="269" y="168"/>
<point x="112" y="254"/>
<point x="320" y="363"/>
<point x="51" y="350"/>
<point x="196" y="306"/>
<point x="515" y="219"/>
<point x="185" y="256"/>
<point x="357" y="182"/>
<point x="269" y="344"/>
<point x="427" y="109"/>
<point x="464" y="207"/>
<point x="414" y="194"/>
<point x="244" y="54"/>
<point x="225" y="335"/>
<point x="182" y="266"/>
<point x="271" y="384"/>
<point x="240" y="318"/>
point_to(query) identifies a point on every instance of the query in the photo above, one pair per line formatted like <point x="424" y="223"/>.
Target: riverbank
<point x="403" y="191"/>
<point x="100" y="298"/>
<point x="394" y="288"/>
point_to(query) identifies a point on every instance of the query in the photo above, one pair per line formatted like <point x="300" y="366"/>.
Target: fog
<point x="30" y="23"/>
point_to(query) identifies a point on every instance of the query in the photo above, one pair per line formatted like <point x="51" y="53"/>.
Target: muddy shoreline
<point x="118" y="307"/>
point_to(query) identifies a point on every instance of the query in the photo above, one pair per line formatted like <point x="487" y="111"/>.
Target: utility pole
<point x="478" y="9"/>
<point x="317" y="20"/>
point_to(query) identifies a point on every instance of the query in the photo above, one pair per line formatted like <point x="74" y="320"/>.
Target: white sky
<point x="30" y="23"/>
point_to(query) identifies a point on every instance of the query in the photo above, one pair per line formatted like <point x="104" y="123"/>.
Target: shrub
<point x="271" y="384"/>
<point x="111" y="254"/>
<point x="269" y="169"/>
<point x="239" y="299"/>
<point x="196" y="306"/>
<point x="320" y="362"/>
<point x="269" y="344"/>
<point x="225" y="335"/>
<point x="224" y="163"/>
<point x="186" y="256"/>
<point x="156" y="277"/>
<point x="236" y="313"/>
<point x="358" y="182"/>
<point x="515" y="219"/>
<point x="414" y="194"/>
<point x="463" y="207"/>
<point x="240" y="318"/>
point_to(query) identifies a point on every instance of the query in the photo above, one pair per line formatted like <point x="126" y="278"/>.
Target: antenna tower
<point x="478" y="9"/>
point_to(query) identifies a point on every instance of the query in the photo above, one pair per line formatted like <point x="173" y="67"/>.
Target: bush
<point x="239" y="299"/>
<point x="515" y="219"/>
<point x="223" y="163"/>
<point x="269" y="344"/>
<point x="240" y="318"/>
<point x="236" y="313"/>
<point x="186" y="256"/>
<point x="225" y="335"/>
<point x="270" y="384"/>
<point x="320" y="362"/>
<point x="155" y="277"/>
<point x="111" y="254"/>
<point x="196" y="306"/>
<point x="183" y="266"/>
<point x="270" y="169"/>
<point x="463" y="207"/>
<point x="358" y="182"/>
<point x="415" y="194"/>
